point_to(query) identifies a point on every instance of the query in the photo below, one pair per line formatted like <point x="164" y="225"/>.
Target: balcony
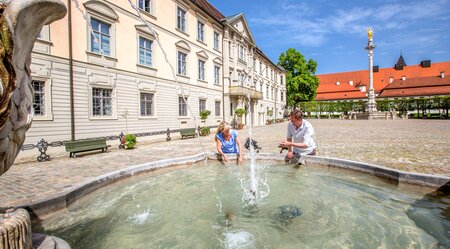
<point x="244" y="91"/>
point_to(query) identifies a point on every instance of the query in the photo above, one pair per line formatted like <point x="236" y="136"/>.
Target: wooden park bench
<point x="86" y="145"/>
<point x="188" y="132"/>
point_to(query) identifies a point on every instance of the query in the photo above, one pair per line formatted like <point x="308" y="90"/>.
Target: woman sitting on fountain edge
<point x="227" y="141"/>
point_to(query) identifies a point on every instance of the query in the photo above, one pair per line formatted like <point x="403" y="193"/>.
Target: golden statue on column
<point x="369" y="33"/>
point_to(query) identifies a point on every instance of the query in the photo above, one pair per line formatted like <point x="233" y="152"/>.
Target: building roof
<point x="209" y="9"/>
<point x="423" y="86"/>
<point x="401" y="61"/>
<point x="381" y="79"/>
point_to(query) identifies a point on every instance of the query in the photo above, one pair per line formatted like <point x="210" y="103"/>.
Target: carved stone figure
<point x="20" y="24"/>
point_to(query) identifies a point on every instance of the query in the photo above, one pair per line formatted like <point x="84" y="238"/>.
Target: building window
<point x="281" y="79"/>
<point x="230" y="53"/>
<point x="144" y="5"/>
<point x="267" y="73"/>
<point x="282" y="96"/>
<point x="39" y="97"/>
<point x="201" y="105"/>
<point x="217" y="75"/>
<point x="200" y="31"/>
<point x="182" y="108"/>
<point x="241" y="52"/>
<point x="260" y="68"/>
<point x="217" y="108"/>
<point x="101" y="43"/>
<point x="147" y="104"/>
<point x="267" y="92"/>
<point x="201" y="70"/>
<point x="181" y="63"/>
<point x="241" y="78"/>
<point x="181" y="19"/>
<point x="145" y="51"/>
<point x="216" y="40"/>
<point x="101" y="102"/>
<point x="231" y="109"/>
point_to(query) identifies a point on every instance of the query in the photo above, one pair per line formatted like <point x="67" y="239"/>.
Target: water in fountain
<point x="176" y="209"/>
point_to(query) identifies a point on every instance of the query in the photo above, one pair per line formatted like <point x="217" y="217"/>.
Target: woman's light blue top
<point x="229" y="146"/>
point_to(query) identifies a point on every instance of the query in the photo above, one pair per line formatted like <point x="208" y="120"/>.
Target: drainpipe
<point x="223" y="80"/>
<point x="72" y="107"/>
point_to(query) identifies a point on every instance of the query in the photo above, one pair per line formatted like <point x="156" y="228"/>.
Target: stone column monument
<point x="371" y="104"/>
<point x="20" y="24"/>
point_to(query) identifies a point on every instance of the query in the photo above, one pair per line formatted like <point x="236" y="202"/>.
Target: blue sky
<point x="333" y="32"/>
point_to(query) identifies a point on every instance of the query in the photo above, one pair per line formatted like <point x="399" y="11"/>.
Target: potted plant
<point x="205" y="130"/>
<point x="204" y="115"/>
<point x="239" y="113"/>
<point x="130" y="141"/>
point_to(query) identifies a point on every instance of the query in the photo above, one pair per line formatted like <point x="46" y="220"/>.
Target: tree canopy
<point x="301" y="81"/>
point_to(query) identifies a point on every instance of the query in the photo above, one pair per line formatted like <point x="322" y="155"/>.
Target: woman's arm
<point x="219" y="150"/>
<point x="238" y="141"/>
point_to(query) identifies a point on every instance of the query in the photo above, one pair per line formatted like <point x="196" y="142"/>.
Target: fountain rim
<point x="62" y="200"/>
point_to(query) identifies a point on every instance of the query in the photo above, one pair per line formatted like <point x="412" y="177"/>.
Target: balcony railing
<point x="244" y="91"/>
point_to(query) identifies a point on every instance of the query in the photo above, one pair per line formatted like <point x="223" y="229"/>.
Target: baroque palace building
<point x="101" y="71"/>
<point x="426" y="79"/>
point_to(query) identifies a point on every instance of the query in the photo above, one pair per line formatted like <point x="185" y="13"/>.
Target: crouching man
<point x="300" y="136"/>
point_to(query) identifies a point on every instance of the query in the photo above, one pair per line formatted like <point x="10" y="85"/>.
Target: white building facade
<point x="101" y="70"/>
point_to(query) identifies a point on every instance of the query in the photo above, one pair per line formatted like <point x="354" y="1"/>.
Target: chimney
<point x="403" y="77"/>
<point x="442" y="74"/>
<point x="391" y="79"/>
<point x="351" y="82"/>
<point x="375" y="69"/>
<point x="425" y="63"/>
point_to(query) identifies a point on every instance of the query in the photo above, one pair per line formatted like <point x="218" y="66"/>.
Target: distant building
<point x="401" y="81"/>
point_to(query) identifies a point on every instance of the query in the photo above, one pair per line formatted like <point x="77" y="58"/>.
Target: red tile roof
<point x="327" y="82"/>
<point x="209" y="9"/>
<point x="423" y="86"/>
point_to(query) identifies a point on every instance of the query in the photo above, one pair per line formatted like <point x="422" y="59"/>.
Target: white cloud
<point x="303" y="24"/>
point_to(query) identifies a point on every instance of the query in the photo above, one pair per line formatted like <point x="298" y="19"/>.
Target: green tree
<point x="301" y="81"/>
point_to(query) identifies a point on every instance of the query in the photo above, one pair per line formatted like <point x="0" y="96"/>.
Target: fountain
<point x="314" y="206"/>
<point x="21" y="22"/>
<point x="308" y="206"/>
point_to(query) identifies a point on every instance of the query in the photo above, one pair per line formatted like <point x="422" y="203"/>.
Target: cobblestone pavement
<point x="410" y="145"/>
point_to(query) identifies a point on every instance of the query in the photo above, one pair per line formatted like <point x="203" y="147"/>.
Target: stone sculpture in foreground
<point x="20" y="24"/>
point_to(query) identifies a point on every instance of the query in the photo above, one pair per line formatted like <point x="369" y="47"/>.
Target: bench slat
<point x="85" y="145"/>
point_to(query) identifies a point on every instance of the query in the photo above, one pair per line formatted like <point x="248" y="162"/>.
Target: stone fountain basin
<point x="60" y="201"/>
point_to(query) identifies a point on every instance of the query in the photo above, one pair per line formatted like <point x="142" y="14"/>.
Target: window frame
<point x="216" y="40"/>
<point x="150" y="6"/>
<point x="217" y="80"/>
<point x="181" y="21"/>
<point x="48" y="109"/>
<point x="103" y="13"/>
<point x="182" y="107"/>
<point x="201" y="65"/>
<point x="145" y="49"/>
<point x="183" y="71"/>
<point x="153" y="105"/>
<point x="201" y="31"/>
<point x="201" y="105"/>
<point x="217" y="108"/>
<point x="111" y="97"/>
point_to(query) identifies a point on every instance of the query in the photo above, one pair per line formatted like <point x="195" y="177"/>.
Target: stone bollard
<point x="15" y="229"/>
